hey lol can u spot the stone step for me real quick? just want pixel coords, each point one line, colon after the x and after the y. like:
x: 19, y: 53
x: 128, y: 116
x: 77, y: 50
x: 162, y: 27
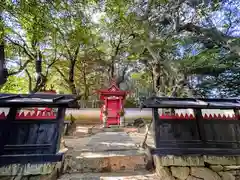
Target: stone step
x: 137, y: 175
x: 106, y: 161
x: 120, y: 129
x: 83, y: 131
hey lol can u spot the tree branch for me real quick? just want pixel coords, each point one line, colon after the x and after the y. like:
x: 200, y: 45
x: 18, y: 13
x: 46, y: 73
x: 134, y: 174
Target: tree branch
x: 23, y: 47
x: 61, y: 73
x: 76, y: 52
x: 219, y: 38
x: 21, y: 68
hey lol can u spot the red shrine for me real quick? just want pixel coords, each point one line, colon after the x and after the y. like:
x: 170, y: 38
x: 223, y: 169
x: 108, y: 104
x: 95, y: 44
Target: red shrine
x: 113, y: 99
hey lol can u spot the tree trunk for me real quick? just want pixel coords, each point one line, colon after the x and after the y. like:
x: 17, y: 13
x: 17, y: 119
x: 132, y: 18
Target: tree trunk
x: 71, y: 77
x: 156, y: 79
x: 3, y: 70
x: 86, y: 88
x: 29, y: 81
x: 112, y: 69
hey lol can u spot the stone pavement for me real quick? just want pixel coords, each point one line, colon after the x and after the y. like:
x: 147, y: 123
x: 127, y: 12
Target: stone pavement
x: 106, y: 154
x: 143, y: 175
x: 105, y: 141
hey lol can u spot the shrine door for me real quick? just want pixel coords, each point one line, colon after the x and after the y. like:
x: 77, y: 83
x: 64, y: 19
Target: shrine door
x: 113, y: 108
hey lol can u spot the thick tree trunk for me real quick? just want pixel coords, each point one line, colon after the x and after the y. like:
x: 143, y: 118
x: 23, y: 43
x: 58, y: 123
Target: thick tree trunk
x: 3, y: 70
x: 157, y: 80
x: 71, y: 77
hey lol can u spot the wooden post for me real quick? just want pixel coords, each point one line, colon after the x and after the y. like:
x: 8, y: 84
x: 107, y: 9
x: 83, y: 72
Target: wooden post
x: 237, y: 115
x: 60, y: 126
x: 200, y: 125
x: 7, y: 129
x: 156, y: 136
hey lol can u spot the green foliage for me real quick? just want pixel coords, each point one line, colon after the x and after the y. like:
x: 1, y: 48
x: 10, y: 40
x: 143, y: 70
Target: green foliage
x: 14, y: 84
x: 138, y: 42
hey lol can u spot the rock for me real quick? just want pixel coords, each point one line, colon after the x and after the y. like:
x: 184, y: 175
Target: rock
x: 238, y: 160
x: 204, y: 173
x: 234, y: 172
x: 179, y: 160
x: 164, y: 173
x: 5, y: 178
x: 226, y: 176
x: 180, y: 172
x: 27, y: 169
x: 224, y: 160
x: 227, y: 168
x: 216, y: 168
x: 193, y: 178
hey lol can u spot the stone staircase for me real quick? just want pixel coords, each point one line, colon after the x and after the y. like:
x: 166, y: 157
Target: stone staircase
x: 103, y: 156
x: 108, y: 161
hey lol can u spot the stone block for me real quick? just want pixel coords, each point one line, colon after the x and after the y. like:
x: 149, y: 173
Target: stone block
x: 216, y: 168
x: 179, y: 160
x: 223, y: 160
x: 86, y: 165
x: 204, y: 173
x: 82, y: 131
x: 193, y: 178
x: 28, y: 169
x: 238, y: 160
x: 164, y: 173
x: 105, y: 162
x: 180, y: 172
x: 228, y: 168
x: 226, y: 176
x: 234, y: 172
x: 127, y: 163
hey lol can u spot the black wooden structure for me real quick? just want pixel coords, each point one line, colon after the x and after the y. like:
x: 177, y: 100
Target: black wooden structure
x: 196, y: 136
x: 32, y: 140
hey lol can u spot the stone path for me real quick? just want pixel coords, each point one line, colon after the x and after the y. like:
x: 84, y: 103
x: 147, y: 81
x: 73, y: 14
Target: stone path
x: 106, y: 156
x: 104, y: 141
x: 111, y: 176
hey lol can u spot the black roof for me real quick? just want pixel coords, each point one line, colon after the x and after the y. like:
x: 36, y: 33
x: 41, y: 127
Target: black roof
x: 201, y: 103
x: 38, y: 100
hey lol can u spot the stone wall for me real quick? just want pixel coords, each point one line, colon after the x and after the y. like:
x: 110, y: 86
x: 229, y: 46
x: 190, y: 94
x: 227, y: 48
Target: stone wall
x: 43, y: 171
x: 47, y: 171
x: 197, y: 167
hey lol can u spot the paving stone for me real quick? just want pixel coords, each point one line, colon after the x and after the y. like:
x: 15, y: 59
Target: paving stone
x: 102, y: 141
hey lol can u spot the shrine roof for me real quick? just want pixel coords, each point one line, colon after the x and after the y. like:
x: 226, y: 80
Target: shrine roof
x: 37, y: 100
x: 201, y: 103
x: 113, y: 89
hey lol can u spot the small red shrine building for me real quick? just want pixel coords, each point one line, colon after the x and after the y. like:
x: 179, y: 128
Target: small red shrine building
x: 113, y: 99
